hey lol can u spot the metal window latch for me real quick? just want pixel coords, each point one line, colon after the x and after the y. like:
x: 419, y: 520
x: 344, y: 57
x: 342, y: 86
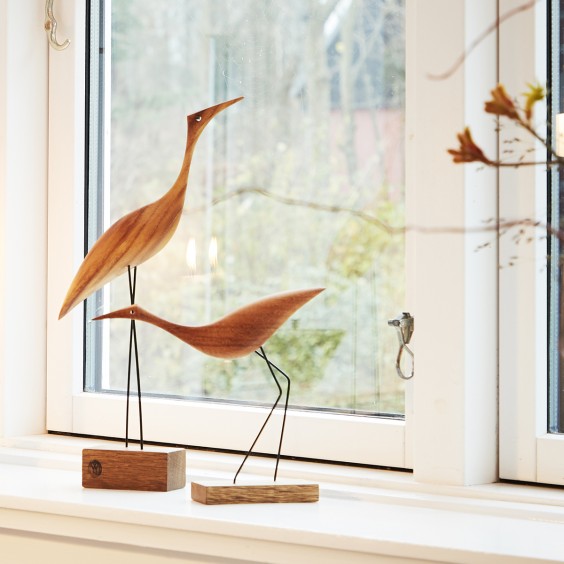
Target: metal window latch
x: 405, y: 325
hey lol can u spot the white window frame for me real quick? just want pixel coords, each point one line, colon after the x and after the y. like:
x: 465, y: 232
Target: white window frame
x: 165, y: 420
x: 450, y: 433
x: 527, y: 451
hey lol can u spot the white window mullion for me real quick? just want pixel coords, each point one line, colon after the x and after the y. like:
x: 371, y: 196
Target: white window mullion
x: 455, y: 411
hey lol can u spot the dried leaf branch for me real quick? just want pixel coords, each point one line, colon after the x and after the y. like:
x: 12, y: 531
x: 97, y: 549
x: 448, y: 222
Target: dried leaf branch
x: 502, y: 105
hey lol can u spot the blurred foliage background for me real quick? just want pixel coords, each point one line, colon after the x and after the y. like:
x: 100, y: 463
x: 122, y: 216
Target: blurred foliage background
x: 322, y: 122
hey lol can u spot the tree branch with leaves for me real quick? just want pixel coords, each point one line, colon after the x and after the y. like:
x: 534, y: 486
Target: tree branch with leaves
x: 503, y: 106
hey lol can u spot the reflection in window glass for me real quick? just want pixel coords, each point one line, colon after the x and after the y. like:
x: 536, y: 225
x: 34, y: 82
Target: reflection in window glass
x: 282, y: 194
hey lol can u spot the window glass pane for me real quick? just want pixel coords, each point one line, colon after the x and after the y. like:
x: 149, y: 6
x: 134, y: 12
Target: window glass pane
x: 290, y: 188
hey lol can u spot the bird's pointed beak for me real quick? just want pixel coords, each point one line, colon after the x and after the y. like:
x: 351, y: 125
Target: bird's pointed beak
x: 124, y: 313
x: 214, y: 110
x: 198, y: 121
x: 230, y: 102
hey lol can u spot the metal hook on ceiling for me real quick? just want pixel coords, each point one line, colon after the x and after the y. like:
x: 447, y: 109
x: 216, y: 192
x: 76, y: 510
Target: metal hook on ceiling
x: 51, y: 28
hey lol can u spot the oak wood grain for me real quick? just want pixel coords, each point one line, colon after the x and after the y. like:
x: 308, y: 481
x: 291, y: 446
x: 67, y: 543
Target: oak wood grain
x: 160, y: 470
x: 141, y: 234
x: 238, y: 334
x: 219, y: 494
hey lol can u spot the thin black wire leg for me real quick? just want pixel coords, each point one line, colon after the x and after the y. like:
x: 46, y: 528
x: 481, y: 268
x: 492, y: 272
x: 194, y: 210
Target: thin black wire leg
x: 271, y: 364
x: 138, y: 385
x: 128, y: 386
x: 267, y: 418
x: 133, y: 345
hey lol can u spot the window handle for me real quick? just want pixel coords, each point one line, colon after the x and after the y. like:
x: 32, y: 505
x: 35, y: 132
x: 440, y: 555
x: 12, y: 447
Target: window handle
x: 405, y: 325
x: 51, y: 28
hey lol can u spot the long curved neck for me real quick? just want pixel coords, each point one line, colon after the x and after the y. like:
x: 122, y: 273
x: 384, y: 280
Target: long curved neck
x: 196, y: 123
x: 172, y: 328
x: 179, y: 187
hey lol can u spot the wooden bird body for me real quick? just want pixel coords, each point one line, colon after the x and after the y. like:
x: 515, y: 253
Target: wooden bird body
x: 141, y: 234
x: 237, y: 334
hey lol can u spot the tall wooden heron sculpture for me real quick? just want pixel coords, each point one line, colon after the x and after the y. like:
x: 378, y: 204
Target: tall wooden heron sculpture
x: 137, y: 237
x: 238, y: 334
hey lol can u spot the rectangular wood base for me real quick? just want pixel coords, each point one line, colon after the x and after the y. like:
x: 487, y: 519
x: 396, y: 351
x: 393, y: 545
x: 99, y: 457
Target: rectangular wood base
x: 152, y: 469
x: 217, y: 493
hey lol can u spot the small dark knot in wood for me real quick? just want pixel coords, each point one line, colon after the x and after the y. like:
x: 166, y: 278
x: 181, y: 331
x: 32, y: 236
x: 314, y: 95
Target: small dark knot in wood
x: 95, y: 468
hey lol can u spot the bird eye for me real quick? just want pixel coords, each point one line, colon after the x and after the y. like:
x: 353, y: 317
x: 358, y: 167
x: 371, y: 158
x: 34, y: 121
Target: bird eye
x: 132, y: 311
x: 198, y: 118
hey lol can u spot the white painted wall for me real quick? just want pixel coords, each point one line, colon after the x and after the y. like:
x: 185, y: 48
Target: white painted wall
x: 23, y: 216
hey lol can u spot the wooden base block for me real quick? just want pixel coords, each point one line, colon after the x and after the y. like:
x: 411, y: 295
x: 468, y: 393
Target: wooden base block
x: 152, y: 469
x: 275, y: 492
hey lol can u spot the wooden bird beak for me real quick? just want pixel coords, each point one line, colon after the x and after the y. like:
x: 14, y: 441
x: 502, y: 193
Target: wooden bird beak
x: 198, y: 121
x: 130, y: 312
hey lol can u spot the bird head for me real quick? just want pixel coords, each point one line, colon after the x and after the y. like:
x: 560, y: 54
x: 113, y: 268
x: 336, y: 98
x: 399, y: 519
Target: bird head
x: 198, y: 121
x: 129, y: 312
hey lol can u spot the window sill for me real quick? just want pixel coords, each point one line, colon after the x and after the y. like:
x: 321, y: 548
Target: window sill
x: 362, y: 514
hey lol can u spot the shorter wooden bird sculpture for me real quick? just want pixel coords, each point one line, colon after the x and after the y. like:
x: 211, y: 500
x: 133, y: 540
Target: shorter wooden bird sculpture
x: 237, y: 334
